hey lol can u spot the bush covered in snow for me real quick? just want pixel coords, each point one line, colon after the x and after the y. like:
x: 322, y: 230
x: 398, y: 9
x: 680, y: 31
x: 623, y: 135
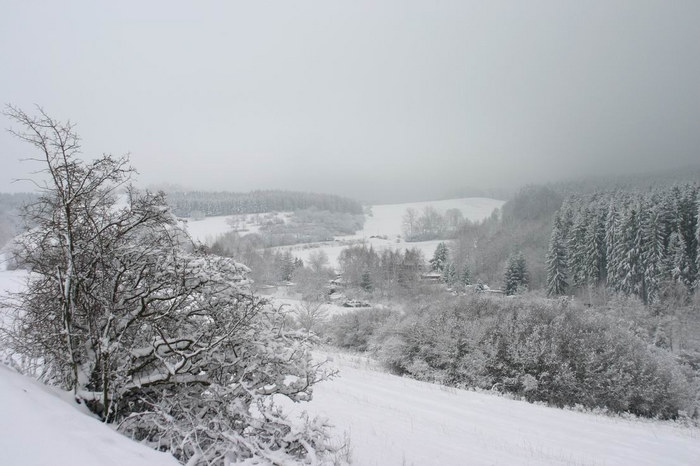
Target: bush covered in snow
x: 163, y: 340
x: 543, y: 350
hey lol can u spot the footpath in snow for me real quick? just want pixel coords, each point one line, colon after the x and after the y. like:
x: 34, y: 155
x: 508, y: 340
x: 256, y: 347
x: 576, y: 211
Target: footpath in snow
x: 398, y: 421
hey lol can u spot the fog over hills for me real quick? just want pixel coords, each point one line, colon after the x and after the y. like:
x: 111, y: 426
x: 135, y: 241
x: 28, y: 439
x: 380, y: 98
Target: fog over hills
x: 385, y: 102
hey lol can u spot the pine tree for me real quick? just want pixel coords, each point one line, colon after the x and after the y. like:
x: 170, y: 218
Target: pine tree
x: 556, y: 261
x: 679, y: 259
x: 687, y: 228
x: 516, y: 276
x: 652, y: 252
x: 466, y: 277
x: 697, y: 244
x: 366, y: 282
x: 612, y: 232
x: 630, y: 267
x: 440, y: 258
x: 449, y: 275
x: 577, y: 250
x: 594, y: 256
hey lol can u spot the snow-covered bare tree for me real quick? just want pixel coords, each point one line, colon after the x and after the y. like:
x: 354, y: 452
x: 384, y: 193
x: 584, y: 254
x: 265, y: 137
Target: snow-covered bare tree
x: 146, y: 330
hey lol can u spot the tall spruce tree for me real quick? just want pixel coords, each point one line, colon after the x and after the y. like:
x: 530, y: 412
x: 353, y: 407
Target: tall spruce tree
x: 516, y: 276
x: 556, y: 261
x: 449, y: 275
x: 594, y: 258
x: 652, y: 253
x: 577, y: 250
x: 612, y: 233
x: 440, y: 258
x: 630, y: 268
x: 466, y: 276
x: 697, y: 245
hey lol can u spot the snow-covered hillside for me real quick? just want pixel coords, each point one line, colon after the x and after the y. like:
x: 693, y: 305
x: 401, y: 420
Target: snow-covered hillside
x: 397, y: 421
x: 208, y: 229
x: 387, y: 219
x: 383, y: 229
x: 42, y: 426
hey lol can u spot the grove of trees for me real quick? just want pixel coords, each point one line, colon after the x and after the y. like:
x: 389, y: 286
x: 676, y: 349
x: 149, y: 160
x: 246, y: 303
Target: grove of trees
x: 229, y: 203
x: 642, y: 243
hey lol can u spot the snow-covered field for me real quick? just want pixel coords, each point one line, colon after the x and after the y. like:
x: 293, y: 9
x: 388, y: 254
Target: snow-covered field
x: 387, y: 219
x: 383, y: 229
x: 397, y: 421
x: 42, y: 426
x: 206, y: 230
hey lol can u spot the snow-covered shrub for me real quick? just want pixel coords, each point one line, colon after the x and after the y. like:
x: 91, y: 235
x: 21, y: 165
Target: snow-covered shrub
x: 354, y: 330
x: 543, y: 350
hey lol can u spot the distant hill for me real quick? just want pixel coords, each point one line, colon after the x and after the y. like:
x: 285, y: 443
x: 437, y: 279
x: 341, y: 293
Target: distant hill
x: 203, y: 203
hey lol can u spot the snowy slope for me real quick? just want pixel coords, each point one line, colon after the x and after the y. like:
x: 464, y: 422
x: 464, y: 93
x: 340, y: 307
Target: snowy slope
x: 398, y: 421
x: 386, y: 221
x: 40, y: 426
x: 208, y: 229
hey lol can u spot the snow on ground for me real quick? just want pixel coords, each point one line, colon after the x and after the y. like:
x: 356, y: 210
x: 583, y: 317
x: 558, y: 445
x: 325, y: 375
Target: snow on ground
x: 333, y: 250
x: 383, y: 229
x: 398, y: 421
x: 296, y: 305
x: 387, y: 219
x: 206, y: 230
x: 41, y: 426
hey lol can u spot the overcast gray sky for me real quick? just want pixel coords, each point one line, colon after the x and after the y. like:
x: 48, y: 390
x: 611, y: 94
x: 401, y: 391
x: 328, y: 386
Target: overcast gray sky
x: 373, y: 99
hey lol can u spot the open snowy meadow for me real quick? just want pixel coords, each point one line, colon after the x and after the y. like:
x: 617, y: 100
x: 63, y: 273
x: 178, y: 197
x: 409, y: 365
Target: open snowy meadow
x: 394, y: 420
x: 382, y: 229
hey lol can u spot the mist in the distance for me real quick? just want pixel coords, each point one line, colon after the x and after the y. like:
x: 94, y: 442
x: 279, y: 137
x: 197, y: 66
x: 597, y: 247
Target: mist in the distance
x: 375, y: 100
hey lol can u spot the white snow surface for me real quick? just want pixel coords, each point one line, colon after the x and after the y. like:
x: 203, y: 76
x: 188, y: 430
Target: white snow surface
x: 383, y: 230
x: 393, y: 420
x: 208, y: 229
x: 41, y: 426
x: 387, y: 219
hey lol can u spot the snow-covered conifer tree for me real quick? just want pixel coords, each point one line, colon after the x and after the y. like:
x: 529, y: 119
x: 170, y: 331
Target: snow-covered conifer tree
x: 556, y: 261
x: 577, y: 249
x: 612, y: 234
x: 466, y: 276
x: 449, y: 274
x: 440, y: 258
x: 516, y: 276
x: 628, y: 251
